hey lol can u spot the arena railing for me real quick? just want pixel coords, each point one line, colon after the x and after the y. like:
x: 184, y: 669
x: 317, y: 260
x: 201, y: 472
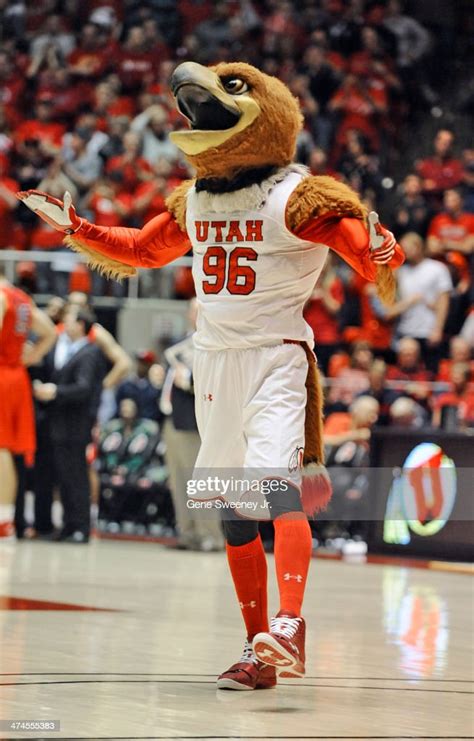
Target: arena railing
x: 10, y: 257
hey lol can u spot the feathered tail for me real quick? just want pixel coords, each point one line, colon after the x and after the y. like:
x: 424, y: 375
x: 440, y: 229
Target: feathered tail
x: 316, y: 485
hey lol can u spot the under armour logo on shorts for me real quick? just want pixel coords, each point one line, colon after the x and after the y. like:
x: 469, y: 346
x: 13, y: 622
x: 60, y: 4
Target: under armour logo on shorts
x: 298, y: 577
x: 252, y: 603
x: 207, y: 397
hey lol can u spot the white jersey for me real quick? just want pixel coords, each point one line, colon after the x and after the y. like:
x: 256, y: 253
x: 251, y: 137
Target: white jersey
x: 252, y: 275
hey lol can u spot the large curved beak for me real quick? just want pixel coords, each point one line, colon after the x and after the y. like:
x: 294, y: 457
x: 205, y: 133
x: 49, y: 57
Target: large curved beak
x: 214, y: 115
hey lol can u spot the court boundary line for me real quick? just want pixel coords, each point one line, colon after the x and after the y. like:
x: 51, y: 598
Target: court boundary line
x: 191, y: 674
x: 211, y: 681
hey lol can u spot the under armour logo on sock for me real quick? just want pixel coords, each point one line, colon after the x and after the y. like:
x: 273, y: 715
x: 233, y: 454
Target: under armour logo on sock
x: 297, y: 577
x: 252, y: 603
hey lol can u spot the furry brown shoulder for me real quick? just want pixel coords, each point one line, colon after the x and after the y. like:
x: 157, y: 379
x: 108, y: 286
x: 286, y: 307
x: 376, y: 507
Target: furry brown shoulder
x: 176, y: 202
x: 320, y: 194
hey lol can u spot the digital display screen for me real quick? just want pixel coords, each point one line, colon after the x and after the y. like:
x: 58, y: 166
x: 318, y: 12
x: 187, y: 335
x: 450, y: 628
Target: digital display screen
x: 422, y: 494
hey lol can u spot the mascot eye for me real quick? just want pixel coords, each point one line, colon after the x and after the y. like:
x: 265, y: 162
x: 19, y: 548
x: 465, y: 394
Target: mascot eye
x: 235, y: 86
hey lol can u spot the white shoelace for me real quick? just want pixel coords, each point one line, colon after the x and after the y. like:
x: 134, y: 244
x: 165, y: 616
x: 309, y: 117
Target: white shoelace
x: 247, y: 654
x: 286, y: 626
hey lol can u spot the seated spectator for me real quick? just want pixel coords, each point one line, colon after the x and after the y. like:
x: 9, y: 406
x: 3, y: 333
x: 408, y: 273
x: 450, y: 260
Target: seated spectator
x: 81, y: 165
x: 410, y: 371
x: 134, y: 168
x: 357, y: 165
x: 214, y: 31
x: 136, y: 61
x: 12, y: 86
x: 110, y: 201
x: 406, y: 412
x: 467, y: 331
x: 92, y: 57
x: 358, y: 104
x: 127, y: 455
x: 43, y: 127
x: 461, y: 396
x: 321, y: 313
x: 144, y: 386
x: 459, y: 352
x: 353, y: 380
x: 442, y: 170
x: 354, y: 425
x: 412, y: 212
x: 153, y: 125
x: 324, y: 80
x: 8, y: 188
x: 424, y: 287
x: 318, y: 163
x: 467, y: 186
x: 453, y: 229
x: 374, y: 327
x: 413, y: 40
x: 378, y: 390
x: 53, y: 33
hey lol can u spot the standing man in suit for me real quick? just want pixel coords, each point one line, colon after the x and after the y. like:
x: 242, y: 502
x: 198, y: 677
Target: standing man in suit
x: 72, y: 368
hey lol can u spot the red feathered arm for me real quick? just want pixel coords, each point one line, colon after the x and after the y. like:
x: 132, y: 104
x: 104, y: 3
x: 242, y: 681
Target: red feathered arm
x: 349, y: 238
x: 159, y: 242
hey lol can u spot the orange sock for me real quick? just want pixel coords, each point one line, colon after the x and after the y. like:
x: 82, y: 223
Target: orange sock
x: 248, y: 567
x: 293, y: 547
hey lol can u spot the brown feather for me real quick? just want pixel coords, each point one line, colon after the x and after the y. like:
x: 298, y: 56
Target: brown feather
x: 386, y: 284
x: 320, y: 194
x: 104, y: 265
x: 314, y: 445
x: 176, y: 202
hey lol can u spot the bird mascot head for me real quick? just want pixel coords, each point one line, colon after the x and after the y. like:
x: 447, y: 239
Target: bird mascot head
x: 239, y: 119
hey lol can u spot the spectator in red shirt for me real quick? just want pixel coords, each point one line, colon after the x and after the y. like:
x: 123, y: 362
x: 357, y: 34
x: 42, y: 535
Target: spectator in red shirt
x: 12, y: 85
x: 149, y: 199
x: 354, y: 425
x: 8, y: 188
x: 359, y: 103
x: 412, y: 212
x: 460, y: 396
x: 441, y: 171
x: 351, y: 381
x: 107, y: 103
x: 375, y: 328
x: 109, y: 201
x: 111, y: 205
x: 453, y: 229
x: 67, y: 96
x: 93, y: 56
x: 410, y: 371
x: 136, y: 65
x: 459, y: 352
x: 134, y: 168
x: 321, y: 313
x: 43, y: 127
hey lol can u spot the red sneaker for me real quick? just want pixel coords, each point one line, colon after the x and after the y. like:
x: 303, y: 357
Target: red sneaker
x: 7, y: 529
x: 283, y: 646
x: 247, y: 674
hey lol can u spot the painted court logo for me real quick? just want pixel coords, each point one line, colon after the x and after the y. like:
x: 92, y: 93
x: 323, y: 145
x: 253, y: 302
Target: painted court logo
x: 422, y: 498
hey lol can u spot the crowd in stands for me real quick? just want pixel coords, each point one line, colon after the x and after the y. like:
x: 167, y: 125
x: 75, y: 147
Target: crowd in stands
x: 85, y: 106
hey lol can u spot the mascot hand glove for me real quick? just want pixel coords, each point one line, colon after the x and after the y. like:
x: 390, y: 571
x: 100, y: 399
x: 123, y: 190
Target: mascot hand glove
x: 382, y: 241
x: 61, y: 215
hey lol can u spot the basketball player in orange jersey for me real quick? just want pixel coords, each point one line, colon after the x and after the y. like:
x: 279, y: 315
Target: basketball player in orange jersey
x: 18, y: 318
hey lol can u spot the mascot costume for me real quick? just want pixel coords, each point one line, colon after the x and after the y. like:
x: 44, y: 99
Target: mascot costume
x: 260, y: 229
